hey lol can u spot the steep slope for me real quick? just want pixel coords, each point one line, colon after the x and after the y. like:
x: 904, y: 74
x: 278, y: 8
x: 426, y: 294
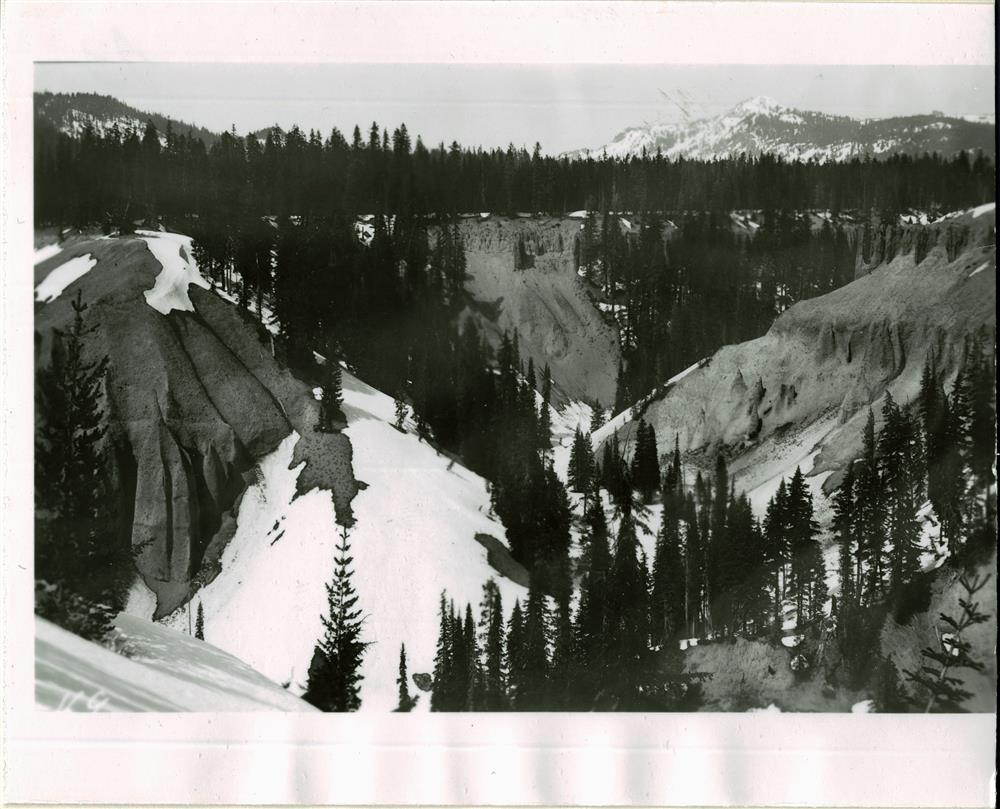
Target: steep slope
x: 762, y: 125
x: 418, y: 517
x: 522, y: 277
x: 194, y: 397
x: 798, y: 395
x: 161, y: 670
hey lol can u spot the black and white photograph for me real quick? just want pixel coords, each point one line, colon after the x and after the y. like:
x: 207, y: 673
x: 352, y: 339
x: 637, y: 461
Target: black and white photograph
x: 510, y: 388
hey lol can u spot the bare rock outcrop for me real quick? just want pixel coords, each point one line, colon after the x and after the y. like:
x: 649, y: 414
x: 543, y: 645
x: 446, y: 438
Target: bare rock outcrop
x: 194, y: 399
x: 833, y: 356
x: 522, y: 277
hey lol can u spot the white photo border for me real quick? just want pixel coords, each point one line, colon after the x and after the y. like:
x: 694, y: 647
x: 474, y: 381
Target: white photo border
x: 618, y: 759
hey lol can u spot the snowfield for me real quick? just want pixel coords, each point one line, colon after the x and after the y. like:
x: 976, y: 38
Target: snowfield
x: 62, y: 276
x: 414, y: 536
x: 170, y: 291
x: 165, y: 671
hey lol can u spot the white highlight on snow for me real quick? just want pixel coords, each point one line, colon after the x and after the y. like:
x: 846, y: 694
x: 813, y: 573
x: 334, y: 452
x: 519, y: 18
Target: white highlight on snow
x: 45, y: 253
x: 865, y: 706
x: 170, y: 291
x: 62, y: 276
x: 979, y: 269
x: 165, y: 671
x: 981, y: 209
x: 791, y: 641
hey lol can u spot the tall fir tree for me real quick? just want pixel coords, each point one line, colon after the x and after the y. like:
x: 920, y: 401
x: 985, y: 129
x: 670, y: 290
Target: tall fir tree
x: 335, y: 672
x: 406, y: 702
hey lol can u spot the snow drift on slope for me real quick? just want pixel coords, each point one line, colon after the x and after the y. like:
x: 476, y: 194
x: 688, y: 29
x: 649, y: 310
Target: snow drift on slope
x: 62, y: 276
x: 46, y: 252
x: 170, y: 291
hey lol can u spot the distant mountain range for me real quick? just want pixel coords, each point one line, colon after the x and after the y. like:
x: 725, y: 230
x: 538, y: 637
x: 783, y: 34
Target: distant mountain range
x: 761, y: 125
x: 71, y: 112
x: 755, y: 126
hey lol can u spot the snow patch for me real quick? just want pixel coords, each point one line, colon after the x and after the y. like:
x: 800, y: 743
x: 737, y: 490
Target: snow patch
x: 979, y: 269
x: 45, y: 253
x: 62, y: 276
x: 981, y: 209
x: 170, y: 291
x: 865, y: 706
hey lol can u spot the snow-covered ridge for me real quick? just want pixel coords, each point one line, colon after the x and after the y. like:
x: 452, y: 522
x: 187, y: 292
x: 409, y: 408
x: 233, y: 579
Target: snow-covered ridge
x: 761, y: 125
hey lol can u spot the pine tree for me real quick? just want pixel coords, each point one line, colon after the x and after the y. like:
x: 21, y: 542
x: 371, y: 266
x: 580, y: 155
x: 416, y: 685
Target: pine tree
x: 81, y: 563
x: 645, y: 461
x: 545, y: 413
x: 596, y: 418
x: 895, y: 447
x: 334, y: 675
x: 402, y: 411
x: 491, y: 644
x: 845, y: 531
x: 443, y: 664
x: 331, y: 414
x: 870, y: 503
x: 533, y: 683
x: 627, y: 610
x: 515, y: 656
x: 199, y: 623
x: 668, y: 587
x: 406, y: 702
x: 938, y: 689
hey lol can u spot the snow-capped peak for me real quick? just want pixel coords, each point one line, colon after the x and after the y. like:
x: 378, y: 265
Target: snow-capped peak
x: 761, y: 124
x: 758, y: 105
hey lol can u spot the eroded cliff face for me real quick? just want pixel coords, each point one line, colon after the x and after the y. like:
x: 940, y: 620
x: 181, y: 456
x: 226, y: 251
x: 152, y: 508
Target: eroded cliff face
x: 194, y: 399
x: 522, y: 277
x: 827, y: 359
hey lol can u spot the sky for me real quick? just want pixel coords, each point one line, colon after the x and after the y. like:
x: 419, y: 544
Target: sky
x: 563, y: 107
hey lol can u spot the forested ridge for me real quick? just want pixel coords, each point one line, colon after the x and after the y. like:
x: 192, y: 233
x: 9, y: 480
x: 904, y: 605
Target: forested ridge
x: 83, y: 180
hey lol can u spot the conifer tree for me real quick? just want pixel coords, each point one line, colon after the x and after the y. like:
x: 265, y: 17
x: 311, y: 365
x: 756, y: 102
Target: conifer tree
x: 491, y: 644
x: 515, y: 656
x: 334, y: 675
x: 331, y: 414
x: 645, y: 461
x: 870, y: 504
x: 402, y: 411
x: 406, y: 702
x: 627, y: 608
x: 83, y: 566
x: 199, y: 623
x: 545, y: 413
x: 845, y: 531
x: 474, y: 675
x: 443, y: 664
x: 533, y: 682
x: 668, y: 587
x: 895, y: 446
